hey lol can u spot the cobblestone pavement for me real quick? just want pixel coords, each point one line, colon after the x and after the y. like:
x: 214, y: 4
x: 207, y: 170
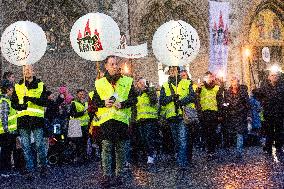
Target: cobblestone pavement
x: 256, y: 170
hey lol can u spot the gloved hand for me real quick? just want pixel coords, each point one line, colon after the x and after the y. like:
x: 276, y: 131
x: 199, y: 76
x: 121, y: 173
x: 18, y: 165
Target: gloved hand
x: 6, y: 130
x: 175, y: 97
x: 23, y: 106
x: 178, y: 103
x: 26, y: 99
x: 31, y: 99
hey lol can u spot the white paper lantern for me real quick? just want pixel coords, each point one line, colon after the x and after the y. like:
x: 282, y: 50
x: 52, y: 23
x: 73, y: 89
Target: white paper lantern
x: 95, y: 36
x: 23, y: 43
x: 175, y: 43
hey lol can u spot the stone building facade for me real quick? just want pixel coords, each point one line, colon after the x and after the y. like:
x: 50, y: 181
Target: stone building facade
x: 139, y: 19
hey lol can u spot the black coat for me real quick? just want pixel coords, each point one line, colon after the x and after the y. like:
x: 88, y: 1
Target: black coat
x: 237, y: 109
x: 52, y: 109
x: 273, y: 99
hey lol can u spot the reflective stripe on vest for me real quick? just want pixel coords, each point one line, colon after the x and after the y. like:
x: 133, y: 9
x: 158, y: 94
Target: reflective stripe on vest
x: 12, y: 117
x: 33, y: 109
x: 182, y: 91
x: 91, y: 94
x: 208, y: 99
x: 105, y: 91
x: 113, y: 113
x: 84, y: 119
x: 144, y: 109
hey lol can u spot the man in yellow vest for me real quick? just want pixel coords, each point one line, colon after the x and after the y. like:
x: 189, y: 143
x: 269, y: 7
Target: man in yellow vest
x: 8, y: 126
x: 29, y: 99
x: 210, y: 97
x: 114, y: 96
x: 79, y: 111
x: 147, y: 120
x: 175, y: 94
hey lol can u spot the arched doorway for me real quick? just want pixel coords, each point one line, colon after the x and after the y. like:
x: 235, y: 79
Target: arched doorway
x: 266, y: 31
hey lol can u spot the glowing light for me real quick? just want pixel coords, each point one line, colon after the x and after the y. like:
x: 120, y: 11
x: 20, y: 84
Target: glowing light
x: 220, y: 74
x: 275, y: 69
x: 229, y: 186
x: 247, y: 52
x: 126, y: 69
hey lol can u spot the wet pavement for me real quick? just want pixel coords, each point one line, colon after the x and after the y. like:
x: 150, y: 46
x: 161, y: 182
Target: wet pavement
x: 255, y: 170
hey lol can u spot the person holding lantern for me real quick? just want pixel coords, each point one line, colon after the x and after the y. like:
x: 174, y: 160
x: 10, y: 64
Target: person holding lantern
x: 29, y: 99
x: 175, y: 94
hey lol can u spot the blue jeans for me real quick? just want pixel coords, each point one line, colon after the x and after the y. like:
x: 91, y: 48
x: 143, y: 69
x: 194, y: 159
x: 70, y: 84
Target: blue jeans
x: 180, y: 136
x: 240, y: 143
x: 25, y: 135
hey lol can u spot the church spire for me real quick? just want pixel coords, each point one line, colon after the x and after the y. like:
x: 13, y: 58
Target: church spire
x: 87, y: 29
x: 221, y: 22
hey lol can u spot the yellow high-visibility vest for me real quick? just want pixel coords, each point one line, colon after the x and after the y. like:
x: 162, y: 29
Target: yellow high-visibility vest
x: 91, y: 94
x: 32, y: 109
x: 84, y: 119
x: 182, y: 90
x: 105, y: 90
x: 144, y: 108
x: 12, y: 117
x: 208, y: 99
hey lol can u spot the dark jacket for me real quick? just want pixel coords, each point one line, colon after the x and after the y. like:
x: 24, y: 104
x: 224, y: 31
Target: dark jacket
x: 164, y: 100
x: 114, y: 130
x: 237, y: 109
x: 52, y: 109
x: 273, y: 99
x: 238, y: 105
x: 30, y: 121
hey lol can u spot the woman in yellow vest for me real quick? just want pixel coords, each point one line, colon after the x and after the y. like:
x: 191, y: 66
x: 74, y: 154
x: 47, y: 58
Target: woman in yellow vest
x: 175, y: 94
x: 79, y: 111
x: 147, y: 120
x: 210, y: 97
x: 114, y: 96
x: 8, y: 126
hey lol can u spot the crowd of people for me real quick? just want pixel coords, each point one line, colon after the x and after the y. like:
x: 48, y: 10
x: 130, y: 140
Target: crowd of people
x: 124, y: 122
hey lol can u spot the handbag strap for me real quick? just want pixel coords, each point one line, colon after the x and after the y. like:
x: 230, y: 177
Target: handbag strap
x: 173, y: 94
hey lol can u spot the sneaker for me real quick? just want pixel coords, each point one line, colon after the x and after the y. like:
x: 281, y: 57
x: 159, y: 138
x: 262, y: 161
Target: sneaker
x: 28, y: 175
x: 150, y: 160
x: 5, y: 175
x: 210, y: 156
x: 43, y: 171
x: 118, y: 181
x: 106, y: 182
x: 239, y: 155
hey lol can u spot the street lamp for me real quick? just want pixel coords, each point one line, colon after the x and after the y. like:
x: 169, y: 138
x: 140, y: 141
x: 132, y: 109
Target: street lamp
x: 247, y: 52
